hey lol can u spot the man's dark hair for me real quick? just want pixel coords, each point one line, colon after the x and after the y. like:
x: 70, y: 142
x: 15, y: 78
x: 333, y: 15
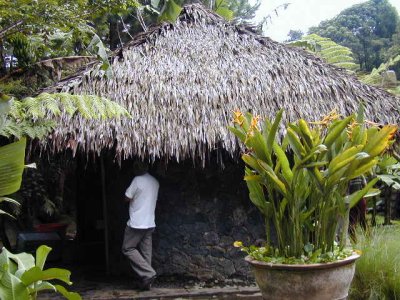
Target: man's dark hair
x: 140, y: 167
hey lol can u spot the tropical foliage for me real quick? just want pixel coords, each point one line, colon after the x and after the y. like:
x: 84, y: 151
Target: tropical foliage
x: 388, y: 172
x: 331, y: 52
x: 34, y: 116
x: 375, y: 77
x: 11, y: 168
x: 299, y: 183
x: 369, y: 29
x: 22, y: 276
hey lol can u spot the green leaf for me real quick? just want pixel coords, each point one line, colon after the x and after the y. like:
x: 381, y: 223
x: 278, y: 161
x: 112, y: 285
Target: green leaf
x: 364, y: 168
x: 222, y: 9
x: 356, y: 196
x: 274, y: 129
x: 390, y: 180
x: 41, y: 256
x: 335, y: 130
x: 281, y: 155
x: 295, y: 143
x: 11, y: 167
x: 278, y: 184
x: 35, y: 274
x: 44, y: 285
x: 69, y: 295
x: 372, y: 193
x: 9, y: 200
x: 170, y: 12
x: 23, y: 261
x: 2, y: 212
x: 256, y: 193
x: 238, y: 133
x: 11, y: 288
x: 251, y: 162
x: 225, y: 12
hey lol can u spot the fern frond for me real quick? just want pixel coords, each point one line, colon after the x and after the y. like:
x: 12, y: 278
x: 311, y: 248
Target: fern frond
x: 67, y: 103
x: 16, y: 111
x: 99, y: 108
x: 339, y: 59
x: 336, y: 51
x: 347, y: 65
x: 82, y: 106
x: 49, y: 103
x: 32, y: 108
x: 114, y: 110
x: 33, y: 116
x: 12, y: 128
x: 328, y: 50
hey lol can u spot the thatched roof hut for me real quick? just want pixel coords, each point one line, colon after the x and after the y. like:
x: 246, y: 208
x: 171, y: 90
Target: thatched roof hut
x: 181, y: 82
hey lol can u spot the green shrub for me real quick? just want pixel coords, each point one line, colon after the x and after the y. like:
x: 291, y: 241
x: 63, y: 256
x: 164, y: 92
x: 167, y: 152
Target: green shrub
x: 378, y: 270
x: 22, y: 276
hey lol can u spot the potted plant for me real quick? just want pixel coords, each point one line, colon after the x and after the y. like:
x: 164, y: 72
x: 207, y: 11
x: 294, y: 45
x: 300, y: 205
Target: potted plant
x: 299, y: 183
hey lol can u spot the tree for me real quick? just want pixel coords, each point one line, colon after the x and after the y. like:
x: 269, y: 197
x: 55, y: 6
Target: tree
x: 294, y: 35
x: 366, y: 28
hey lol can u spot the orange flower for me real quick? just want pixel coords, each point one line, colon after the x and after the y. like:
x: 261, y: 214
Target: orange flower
x: 254, y: 122
x: 393, y: 132
x: 331, y: 116
x: 350, y: 128
x: 238, y: 117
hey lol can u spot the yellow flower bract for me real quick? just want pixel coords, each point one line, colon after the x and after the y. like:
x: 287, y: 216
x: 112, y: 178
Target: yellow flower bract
x: 238, y: 244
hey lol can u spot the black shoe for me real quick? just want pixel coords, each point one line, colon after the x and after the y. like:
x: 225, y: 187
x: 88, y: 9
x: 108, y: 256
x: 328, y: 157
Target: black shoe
x: 146, y: 284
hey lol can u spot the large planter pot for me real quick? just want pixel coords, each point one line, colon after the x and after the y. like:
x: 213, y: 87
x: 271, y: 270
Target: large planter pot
x: 326, y: 281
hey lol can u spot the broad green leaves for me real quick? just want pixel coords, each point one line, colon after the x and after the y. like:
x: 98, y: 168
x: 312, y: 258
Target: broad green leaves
x: 222, y: 8
x: 300, y: 182
x: 11, y: 167
x: 169, y: 12
x: 21, y: 279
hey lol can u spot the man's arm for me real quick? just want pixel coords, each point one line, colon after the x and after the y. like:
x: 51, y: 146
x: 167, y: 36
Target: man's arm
x: 131, y: 191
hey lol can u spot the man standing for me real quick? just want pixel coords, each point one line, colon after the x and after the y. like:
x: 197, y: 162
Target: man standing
x: 137, y: 245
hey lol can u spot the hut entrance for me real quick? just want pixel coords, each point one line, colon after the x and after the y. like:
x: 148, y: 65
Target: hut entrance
x: 200, y: 213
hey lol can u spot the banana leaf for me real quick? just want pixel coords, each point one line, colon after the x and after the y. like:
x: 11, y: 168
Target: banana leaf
x: 12, y: 158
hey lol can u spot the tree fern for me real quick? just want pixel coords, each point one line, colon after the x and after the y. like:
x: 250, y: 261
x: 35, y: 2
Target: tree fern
x: 328, y: 50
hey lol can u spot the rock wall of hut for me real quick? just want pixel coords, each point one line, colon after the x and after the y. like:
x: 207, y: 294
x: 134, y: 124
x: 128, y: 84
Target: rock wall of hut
x: 199, y: 214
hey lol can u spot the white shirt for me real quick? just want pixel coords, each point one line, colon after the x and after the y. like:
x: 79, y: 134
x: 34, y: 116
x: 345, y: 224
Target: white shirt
x: 143, y: 191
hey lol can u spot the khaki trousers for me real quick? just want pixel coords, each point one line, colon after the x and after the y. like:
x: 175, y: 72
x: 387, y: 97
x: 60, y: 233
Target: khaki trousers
x: 137, y: 247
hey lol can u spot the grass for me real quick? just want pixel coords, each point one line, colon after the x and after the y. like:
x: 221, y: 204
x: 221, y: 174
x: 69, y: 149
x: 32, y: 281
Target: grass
x: 378, y: 270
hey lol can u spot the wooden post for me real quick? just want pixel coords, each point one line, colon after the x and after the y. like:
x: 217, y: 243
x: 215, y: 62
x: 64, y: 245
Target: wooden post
x: 105, y: 214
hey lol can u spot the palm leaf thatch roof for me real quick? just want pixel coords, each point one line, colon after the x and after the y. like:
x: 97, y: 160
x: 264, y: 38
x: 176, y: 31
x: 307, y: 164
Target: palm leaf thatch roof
x: 181, y: 83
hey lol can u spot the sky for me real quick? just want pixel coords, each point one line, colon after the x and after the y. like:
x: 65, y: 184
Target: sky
x: 302, y: 14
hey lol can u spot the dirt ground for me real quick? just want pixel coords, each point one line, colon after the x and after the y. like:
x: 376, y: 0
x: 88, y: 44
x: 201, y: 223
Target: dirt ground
x: 121, y: 289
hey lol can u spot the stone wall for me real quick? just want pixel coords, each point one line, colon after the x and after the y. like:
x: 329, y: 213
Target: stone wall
x: 199, y: 214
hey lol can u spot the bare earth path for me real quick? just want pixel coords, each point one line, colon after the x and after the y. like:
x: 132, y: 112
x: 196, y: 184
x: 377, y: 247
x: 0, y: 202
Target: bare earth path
x: 108, y: 293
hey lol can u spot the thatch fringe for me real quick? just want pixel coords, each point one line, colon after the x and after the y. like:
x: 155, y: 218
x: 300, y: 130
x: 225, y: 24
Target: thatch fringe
x: 181, y: 82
